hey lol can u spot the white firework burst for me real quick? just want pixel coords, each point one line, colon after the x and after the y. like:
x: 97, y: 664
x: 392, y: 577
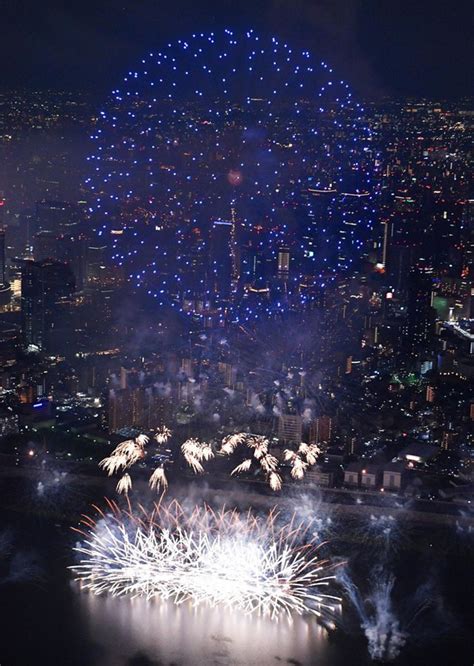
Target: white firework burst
x: 306, y: 456
x: 142, y: 440
x: 298, y: 468
x: 125, y: 448
x: 252, y: 564
x: 260, y: 447
x: 191, y: 447
x: 124, y: 484
x: 259, y: 444
x: 158, y: 479
x: 231, y: 442
x: 243, y: 467
x: 310, y: 451
x: 195, y: 452
x: 114, y: 463
x: 162, y: 435
x: 275, y: 481
x: 194, y: 463
x: 269, y: 463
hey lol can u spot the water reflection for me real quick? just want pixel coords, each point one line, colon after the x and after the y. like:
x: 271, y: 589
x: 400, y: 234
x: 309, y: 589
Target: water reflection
x: 134, y: 631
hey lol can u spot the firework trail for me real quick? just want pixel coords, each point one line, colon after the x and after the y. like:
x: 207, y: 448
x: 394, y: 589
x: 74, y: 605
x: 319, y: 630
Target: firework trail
x: 378, y: 618
x: 253, y: 564
x: 386, y: 626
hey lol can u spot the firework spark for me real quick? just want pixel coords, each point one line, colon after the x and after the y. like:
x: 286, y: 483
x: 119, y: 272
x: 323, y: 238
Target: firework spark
x: 124, y: 484
x: 268, y: 463
x: 231, y: 442
x: 195, y: 452
x: 310, y: 452
x: 158, y: 479
x: 125, y: 455
x: 255, y: 565
x: 163, y: 434
x: 275, y: 481
x: 243, y: 467
x: 114, y: 463
x: 306, y: 456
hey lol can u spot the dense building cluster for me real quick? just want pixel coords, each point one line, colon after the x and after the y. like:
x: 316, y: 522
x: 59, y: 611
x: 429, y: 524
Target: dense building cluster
x: 286, y: 266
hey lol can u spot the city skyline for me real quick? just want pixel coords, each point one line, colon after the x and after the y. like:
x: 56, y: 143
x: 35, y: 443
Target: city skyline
x: 236, y: 336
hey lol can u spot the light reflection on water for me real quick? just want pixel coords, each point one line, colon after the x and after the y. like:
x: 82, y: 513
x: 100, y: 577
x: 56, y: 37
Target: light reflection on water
x: 164, y: 633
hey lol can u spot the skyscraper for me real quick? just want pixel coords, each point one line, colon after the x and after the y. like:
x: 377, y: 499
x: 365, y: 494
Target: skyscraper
x: 45, y: 287
x: 5, y: 293
x: 3, y: 266
x: 419, y: 322
x: 221, y: 257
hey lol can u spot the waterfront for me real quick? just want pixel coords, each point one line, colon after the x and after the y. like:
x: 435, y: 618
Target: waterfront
x: 49, y: 621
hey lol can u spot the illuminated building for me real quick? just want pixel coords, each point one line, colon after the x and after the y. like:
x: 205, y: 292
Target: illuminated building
x: 393, y: 476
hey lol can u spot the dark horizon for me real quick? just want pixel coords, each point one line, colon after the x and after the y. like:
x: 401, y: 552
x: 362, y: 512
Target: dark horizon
x: 415, y: 49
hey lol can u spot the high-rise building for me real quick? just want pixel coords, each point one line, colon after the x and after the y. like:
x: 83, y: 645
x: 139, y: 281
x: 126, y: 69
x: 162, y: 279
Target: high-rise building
x: 3, y: 260
x: 96, y: 263
x: 320, y: 430
x: 141, y: 407
x: 5, y: 291
x: 46, y: 287
x: 290, y: 428
x: 283, y: 262
x: 467, y: 240
x: 45, y: 245
x: 419, y: 322
x: 222, y: 258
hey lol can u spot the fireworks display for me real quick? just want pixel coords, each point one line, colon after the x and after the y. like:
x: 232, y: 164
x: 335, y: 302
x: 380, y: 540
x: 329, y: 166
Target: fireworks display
x: 256, y: 565
x: 299, y: 460
x: 196, y: 453
x: 131, y: 451
x: 236, y: 141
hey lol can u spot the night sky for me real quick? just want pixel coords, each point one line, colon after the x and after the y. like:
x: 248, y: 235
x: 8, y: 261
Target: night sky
x: 394, y: 47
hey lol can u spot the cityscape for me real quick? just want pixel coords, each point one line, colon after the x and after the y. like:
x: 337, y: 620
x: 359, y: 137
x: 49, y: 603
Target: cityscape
x: 237, y: 364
